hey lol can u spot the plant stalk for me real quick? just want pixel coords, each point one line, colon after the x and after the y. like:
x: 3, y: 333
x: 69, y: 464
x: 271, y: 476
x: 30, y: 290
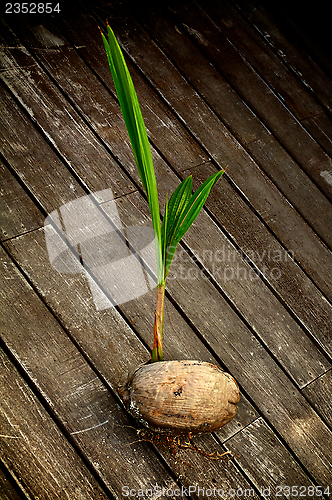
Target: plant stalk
x: 157, y: 349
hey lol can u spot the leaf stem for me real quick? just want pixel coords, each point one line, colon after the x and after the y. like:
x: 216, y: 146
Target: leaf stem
x: 157, y: 350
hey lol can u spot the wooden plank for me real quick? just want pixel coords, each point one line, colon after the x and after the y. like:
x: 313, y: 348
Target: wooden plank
x: 320, y: 127
x: 295, y: 290
x: 319, y: 393
x: 33, y: 447
x: 238, y: 291
x: 263, y: 59
x: 72, y: 390
x: 268, y: 22
x: 99, y: 347
x: 59, y: 122
x: 72, y: 321
x: 271, y: 67
x: 311, y: 31
x: 69, y: 297
x: 98, y: 340
x: 232, y: 221
x: 285, y: 173
x: 9, y: 490
x: 256, y: 94
x: 189, y: 296
x: 111, y: 445
x: 246, y: 169
x: 158, y: 118
x: 278, y: 467
x: 18, y: 213
x: 32, y: 159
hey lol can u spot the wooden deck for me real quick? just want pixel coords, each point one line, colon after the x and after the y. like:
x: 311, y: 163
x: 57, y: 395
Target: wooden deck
x: 219, y: 84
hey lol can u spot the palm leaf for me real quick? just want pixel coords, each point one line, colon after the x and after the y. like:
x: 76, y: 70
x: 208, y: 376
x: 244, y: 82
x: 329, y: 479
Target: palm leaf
x: 177, y: 205
x: 137, y: 133
x: 195, y: 205
x: 183, y: 208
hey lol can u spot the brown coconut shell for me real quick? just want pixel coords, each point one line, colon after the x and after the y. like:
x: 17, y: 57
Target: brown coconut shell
x: 181, y: 396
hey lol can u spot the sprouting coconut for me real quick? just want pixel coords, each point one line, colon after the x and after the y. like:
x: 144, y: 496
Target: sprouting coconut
x: 177, y: 397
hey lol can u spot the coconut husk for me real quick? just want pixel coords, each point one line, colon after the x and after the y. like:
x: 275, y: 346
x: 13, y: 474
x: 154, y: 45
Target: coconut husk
x: 181, y: 397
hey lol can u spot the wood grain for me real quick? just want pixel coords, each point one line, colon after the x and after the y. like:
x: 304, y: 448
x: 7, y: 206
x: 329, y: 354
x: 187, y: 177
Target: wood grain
x: 9, y: 488
x: 72, y: 390
x: 319, y: 395
x: 34, y: 448
x: 18, y: 213
x: 300, y: 240
x: 271, y: 24
x: 218, y: 84
x: 277, y: 466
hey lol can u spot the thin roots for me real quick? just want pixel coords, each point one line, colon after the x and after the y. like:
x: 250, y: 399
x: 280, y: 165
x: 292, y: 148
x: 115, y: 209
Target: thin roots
x: 177, y: 443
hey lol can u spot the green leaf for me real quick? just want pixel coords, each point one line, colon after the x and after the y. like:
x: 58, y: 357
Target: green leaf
x: 195, y: 205
x: 137, y: 133
x: 182, y: 211
x: 177, y: 205
x: 164, y: 226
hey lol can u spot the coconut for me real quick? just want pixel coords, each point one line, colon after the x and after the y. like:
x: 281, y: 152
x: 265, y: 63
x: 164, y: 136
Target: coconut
x: 181, y: 397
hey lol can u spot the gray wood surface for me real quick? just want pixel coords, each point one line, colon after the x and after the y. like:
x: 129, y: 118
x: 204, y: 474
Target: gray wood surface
x: 251, y: 285
x: 35, y: 449
x: 9, y: 488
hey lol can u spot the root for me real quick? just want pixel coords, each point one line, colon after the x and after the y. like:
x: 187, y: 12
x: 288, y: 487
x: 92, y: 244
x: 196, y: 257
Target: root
x: 177, y: 443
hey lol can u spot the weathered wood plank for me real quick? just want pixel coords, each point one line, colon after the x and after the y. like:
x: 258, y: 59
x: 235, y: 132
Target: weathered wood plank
x: 98, y: 340
x: 97, y: 436
x: 319, y: 393
x: 72, y: 390
x: 295, y: 290
x: 256, y: 93
x: 32, y: 159
x: 98, y: 345
x: 267, y: 21
x: 310, y: 30
x: 245, y: 174
x: 280, y: 403
x: 263, y: 59
x: 9, y: 489
x: 232, y: 222
x: 299, y: 347
x: 59, y: 122
x: 271, y: 67
x: 320, y: 127
x: 303, y: 194
x: 72, y: 321
x: 300, y: 412
x: 18, y: 213
x: 33, y: 447
x: 278, y: 467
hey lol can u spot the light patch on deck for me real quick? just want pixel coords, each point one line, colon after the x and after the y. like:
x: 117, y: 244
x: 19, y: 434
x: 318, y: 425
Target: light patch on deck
x: 327, y: 176
x: 47, y: 38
